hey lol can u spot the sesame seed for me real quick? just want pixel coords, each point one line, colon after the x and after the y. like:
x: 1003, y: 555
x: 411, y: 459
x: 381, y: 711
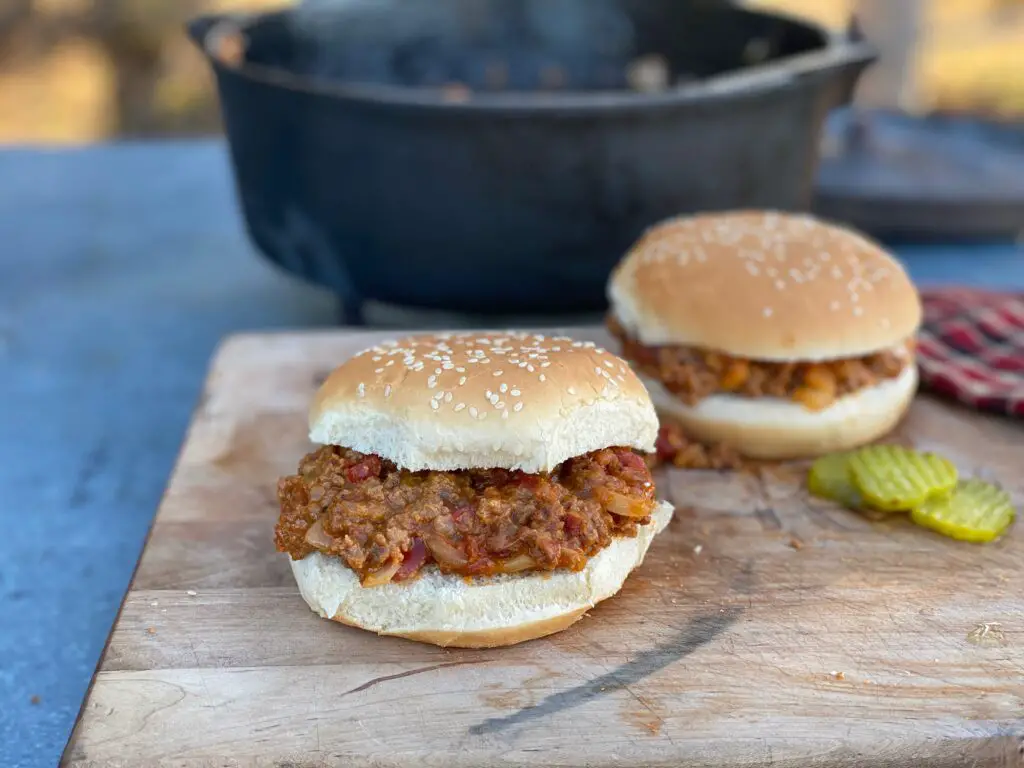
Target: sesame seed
x: 437, y: 371
x: 543, y: 377
x: 459, y: 407
x: 503, y: 388
x: 515, y: 393
x: 462, y: 381
x: 504, y: 414
x: 447, y: 397
x: 434, y: 405
x: 518, y: 406
x: 493, y: 399
x: 571, y: 391
x: 529, y: 368
x: 379, y: 370
x: 362, y: 389
x: 473, y: 411
x: 387, y: 391
x: 497, y: 373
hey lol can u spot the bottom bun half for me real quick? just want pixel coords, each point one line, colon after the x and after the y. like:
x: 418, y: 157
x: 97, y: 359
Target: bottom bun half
x: 772, y: 428
x: 480, y: 613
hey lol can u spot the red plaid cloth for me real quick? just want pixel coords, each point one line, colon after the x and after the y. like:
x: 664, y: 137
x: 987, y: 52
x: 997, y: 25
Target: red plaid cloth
x: 971, y: 348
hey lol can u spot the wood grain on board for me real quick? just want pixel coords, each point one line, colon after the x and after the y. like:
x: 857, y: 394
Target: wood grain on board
x: 764, y: 628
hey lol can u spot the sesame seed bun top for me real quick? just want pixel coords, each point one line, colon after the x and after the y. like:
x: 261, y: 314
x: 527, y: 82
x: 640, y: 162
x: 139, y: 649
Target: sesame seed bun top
x: 763, y: 285
x: 456, y: 401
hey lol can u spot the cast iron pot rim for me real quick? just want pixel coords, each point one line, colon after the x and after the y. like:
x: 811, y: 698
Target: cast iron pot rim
x: 752, y: 82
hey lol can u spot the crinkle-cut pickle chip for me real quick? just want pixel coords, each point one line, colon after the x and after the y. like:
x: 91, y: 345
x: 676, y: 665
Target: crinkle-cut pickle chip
x: 976, y: 511
x: 829, y: 478
x: 892, y: 478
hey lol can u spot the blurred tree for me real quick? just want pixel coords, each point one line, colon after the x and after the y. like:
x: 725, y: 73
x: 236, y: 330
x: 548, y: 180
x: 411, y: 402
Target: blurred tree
x: 14, y: 12
x: 143, y: 46
x: 1001, y: 10
x: 81, y: 70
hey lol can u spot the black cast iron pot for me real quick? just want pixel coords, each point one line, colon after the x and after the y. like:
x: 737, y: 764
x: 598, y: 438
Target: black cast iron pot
x: 495, y: 155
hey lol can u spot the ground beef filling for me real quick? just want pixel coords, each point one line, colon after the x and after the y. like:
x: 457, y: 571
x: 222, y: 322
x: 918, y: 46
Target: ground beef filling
x: 387, y: 524
x: 675, y: 448
x: 692, y: 374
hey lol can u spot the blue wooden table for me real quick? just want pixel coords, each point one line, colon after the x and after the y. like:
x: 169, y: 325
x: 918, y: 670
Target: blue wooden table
x: 120, y: 269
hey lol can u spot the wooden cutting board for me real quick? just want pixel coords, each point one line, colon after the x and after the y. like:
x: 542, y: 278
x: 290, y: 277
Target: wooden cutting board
x: 765, y: 628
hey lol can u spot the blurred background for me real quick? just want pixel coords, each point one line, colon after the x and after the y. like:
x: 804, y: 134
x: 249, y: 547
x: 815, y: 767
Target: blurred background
x: 74, y: 71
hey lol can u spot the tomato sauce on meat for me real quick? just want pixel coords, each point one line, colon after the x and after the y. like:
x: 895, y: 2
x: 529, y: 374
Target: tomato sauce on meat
x: 692, y: 374
x: 388, y: 524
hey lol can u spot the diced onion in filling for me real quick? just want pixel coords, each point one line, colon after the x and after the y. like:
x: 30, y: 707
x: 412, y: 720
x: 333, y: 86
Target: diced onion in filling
x: 619, y: 504
x: 317, y: 537
x: 516, y: 564
x: 444, y: 552
x: 383, y: 576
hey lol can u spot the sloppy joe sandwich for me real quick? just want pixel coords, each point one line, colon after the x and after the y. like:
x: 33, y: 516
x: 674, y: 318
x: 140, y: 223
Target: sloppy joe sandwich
x: 472, y: 490
x: 776, y: 334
